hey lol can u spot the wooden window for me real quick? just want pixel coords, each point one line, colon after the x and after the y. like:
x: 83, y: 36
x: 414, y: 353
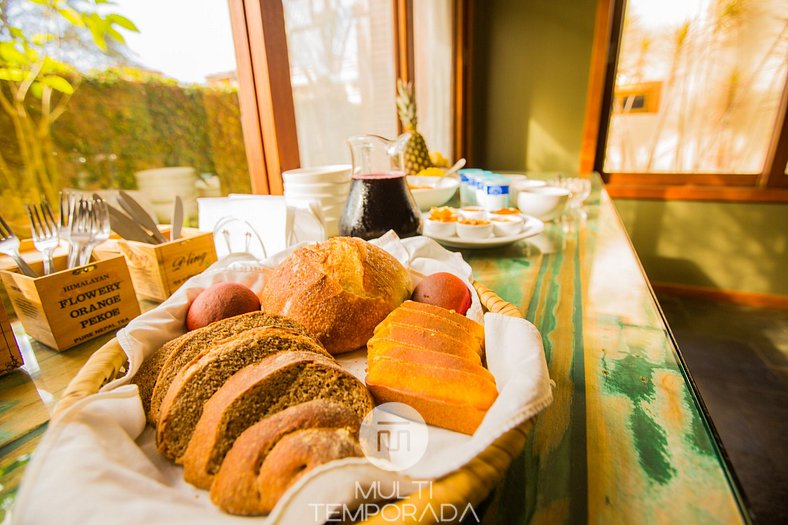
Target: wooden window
x: 274, y: 114
x: 675, y: 112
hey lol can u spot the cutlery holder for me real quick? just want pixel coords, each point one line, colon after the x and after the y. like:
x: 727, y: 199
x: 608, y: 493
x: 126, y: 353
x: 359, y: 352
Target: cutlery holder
x: 10, y: 356
x: 157, y: 270
x: 73, y: 305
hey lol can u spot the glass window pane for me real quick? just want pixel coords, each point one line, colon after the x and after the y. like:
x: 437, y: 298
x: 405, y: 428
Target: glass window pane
x: 432, y: 42
x: 698, y: 86
x: 164, y: 95
x: 342, y: 72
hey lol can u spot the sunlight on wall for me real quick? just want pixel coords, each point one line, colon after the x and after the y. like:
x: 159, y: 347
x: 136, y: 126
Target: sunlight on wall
x: 730, y: 246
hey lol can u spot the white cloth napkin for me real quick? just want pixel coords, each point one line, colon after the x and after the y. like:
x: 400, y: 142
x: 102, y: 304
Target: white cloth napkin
x: 98, y: 463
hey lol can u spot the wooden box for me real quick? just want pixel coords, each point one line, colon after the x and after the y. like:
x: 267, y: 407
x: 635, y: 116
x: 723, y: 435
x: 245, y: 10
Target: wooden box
x: 157, y: 270
x: 10, y: 356
x: 70, y: 306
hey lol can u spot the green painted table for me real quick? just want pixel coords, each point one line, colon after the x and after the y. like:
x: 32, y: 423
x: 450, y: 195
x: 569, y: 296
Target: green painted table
x: 626, y: 439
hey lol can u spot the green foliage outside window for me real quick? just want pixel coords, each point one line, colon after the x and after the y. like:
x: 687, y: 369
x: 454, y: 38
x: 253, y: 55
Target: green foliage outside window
x: 61, y: 128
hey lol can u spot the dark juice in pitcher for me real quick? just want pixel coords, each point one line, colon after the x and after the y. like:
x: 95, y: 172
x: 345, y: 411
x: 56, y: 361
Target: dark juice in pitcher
x: 377, y: 203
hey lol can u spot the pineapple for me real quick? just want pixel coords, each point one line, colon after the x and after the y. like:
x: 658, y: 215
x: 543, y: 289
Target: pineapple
x: 417, y: 156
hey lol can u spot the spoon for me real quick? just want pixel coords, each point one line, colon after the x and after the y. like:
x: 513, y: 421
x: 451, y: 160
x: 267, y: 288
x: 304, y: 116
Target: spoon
x: 457, y: 165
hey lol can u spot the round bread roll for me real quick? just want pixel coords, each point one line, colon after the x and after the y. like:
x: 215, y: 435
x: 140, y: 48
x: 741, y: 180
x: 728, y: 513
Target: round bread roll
x: 339, y: 290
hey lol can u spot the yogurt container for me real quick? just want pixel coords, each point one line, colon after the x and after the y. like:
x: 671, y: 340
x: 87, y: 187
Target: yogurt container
x: 496, y: 193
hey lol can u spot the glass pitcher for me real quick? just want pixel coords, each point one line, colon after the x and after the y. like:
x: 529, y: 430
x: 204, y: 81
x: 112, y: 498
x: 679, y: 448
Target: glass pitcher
x: 379, y: 198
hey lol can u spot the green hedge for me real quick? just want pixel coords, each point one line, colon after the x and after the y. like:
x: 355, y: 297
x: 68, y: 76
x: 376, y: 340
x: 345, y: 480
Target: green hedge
x: 122, y: 121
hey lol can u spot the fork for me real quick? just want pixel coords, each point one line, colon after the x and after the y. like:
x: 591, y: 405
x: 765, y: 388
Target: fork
x: 45, y: 232
x: 9, y: 245
x: 68, y: 202
x: 99, y: 230
x: 79, y: 231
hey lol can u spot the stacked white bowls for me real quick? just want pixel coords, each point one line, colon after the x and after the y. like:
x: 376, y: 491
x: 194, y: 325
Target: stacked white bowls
x: 161, y: 185
x: 326, y: 186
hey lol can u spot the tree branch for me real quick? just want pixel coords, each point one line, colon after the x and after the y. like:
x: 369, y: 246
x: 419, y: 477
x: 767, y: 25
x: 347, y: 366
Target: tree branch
x: 21, y: 92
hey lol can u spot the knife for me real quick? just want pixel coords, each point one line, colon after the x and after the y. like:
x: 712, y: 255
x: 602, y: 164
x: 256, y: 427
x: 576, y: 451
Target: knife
x: 127, y: 228
x: 138, y: 213
x: 177, y: 218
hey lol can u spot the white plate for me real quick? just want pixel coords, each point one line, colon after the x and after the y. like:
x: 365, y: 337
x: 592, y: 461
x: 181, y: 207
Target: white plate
x: 532, y: 226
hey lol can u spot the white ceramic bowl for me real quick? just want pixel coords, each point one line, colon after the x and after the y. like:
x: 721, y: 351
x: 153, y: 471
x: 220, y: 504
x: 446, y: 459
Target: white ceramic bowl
x: 504, y: 226
x: 529, y: 183
x: 439, y: 192
x: 439, y: 228
x: 319, y: 174
x: 522, y: 183
x: 474, y: 231
x: 473, y: 212
x: 545, y: 203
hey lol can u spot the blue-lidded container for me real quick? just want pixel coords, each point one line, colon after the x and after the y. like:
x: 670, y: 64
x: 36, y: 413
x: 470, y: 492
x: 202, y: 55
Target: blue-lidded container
x: 468, y: 178
x: 496, y: 193
x: 481, y: 182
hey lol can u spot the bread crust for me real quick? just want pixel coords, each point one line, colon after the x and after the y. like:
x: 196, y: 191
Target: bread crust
x: 208, y: 431
x: 235, y: 488
x: 339, y: 290
x: 178, y: 410
x: 298, y: 453
x: 183, y: 350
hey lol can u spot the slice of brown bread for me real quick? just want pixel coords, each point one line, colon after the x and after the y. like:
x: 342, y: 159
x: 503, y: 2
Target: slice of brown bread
x: 193, y: 386
x: 263, y: 482
x: 145, y: 378
x: 186, y: 347
x: 274, y: 384
x: 203, y: 457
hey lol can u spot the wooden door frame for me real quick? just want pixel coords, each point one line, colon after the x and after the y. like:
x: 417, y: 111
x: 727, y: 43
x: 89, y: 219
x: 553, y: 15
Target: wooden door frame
x: 265, y: 94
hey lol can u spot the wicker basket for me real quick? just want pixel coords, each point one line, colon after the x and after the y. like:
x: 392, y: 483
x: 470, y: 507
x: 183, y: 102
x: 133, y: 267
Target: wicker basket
x: 469, y: 484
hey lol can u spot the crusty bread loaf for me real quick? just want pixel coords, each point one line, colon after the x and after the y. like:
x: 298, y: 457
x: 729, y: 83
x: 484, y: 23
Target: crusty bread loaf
x: 339, y: 290
x: 193, y: 386
x: 237, y: 487
x: 274, y: 384
x: 181, y: 351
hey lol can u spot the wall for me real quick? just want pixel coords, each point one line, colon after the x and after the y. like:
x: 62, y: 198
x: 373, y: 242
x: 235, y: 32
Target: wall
x: 529, y: 79
x: 531, y: 73
x: 728, y: 246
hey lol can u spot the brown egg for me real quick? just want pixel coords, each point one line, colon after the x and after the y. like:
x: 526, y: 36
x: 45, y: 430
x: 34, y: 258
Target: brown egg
x: 444, y: 289
x: 220, y: 301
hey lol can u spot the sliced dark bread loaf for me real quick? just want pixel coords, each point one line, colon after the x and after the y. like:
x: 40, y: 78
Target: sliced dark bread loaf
x: 277, y: 383
x: 146, y: 376
x: 250, y: 484
x: 193, y: 386
x: 182, y: 350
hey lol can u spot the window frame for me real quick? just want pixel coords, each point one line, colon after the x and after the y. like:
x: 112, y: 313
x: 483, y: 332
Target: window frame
x: 266, y: 96
x: 771, y: 185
